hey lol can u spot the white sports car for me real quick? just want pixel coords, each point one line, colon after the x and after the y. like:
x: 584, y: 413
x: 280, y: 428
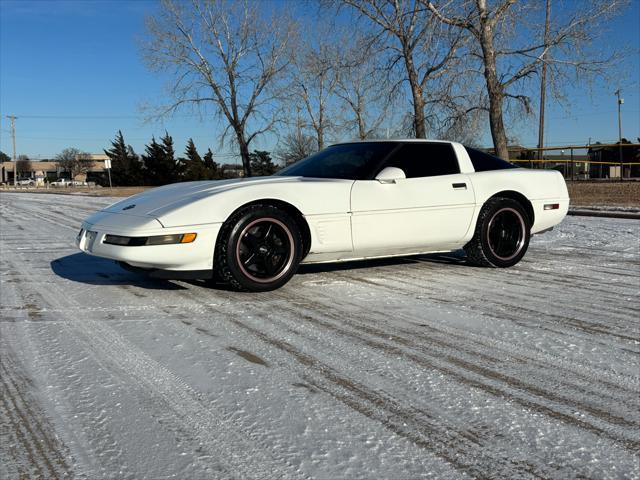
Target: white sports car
x: 349, y: 201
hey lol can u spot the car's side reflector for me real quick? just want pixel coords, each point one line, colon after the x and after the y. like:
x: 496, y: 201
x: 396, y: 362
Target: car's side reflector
x: 552, y: 206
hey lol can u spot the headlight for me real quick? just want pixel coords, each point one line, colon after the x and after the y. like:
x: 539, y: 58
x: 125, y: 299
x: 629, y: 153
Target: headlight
x: 154, y: 240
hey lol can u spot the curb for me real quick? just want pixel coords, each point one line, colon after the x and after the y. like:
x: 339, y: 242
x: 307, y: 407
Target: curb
x: 604, y: 214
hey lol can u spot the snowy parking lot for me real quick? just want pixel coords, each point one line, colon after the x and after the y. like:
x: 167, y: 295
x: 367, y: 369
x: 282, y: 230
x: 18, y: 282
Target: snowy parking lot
x: 420, y: 367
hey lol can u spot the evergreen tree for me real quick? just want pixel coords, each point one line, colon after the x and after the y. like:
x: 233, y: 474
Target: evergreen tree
x: 159, y: 161
x: 261, y: 163
x: 213, y: 169
x: 136, y: 167
x: 192, y: 152
x: 152, y: 159
x: 169, y: 164
x: 167, y: 146
x: 192, y: 167
x: 126, y: 168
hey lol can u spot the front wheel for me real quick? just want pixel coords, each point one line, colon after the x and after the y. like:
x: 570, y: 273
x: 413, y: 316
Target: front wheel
x: 258, y: 249
x: 502, y: 234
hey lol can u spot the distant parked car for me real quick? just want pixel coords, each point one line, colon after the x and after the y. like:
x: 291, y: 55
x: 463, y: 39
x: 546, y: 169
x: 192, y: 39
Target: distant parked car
x: 26, y: 182
x: 61, y: 182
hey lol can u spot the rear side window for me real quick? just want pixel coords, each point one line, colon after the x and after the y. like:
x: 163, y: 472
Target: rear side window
x: 483, y: 162
x: 425, y: 159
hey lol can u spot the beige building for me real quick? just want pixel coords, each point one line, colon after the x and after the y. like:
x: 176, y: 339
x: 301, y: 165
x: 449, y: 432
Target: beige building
x: 49, y: 170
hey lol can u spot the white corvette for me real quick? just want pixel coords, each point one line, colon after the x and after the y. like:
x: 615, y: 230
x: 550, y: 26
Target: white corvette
x: 350, y: 201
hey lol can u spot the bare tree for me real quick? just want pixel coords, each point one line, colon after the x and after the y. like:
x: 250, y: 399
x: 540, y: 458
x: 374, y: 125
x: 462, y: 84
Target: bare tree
x: 23, y: 166
x: 508, y: 60
x: 362, y: 87
x: 224, y: 54
x: 315, y: 81
x: 424, y: 48
x: 74, y: 161
x: 296, y: 146
x: 463, y: 126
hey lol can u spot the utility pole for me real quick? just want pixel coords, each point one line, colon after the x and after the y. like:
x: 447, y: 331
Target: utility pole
x: 543, y: 80
x: 620, y: 102
x: 13, y: 119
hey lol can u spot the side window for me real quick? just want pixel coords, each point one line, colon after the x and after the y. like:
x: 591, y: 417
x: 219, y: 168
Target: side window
x: 483, y: 162
x: 419, y: 159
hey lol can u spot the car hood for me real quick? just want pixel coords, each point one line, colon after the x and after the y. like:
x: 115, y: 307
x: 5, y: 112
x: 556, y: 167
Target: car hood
x: 196, y: 203
x: 157, y: 200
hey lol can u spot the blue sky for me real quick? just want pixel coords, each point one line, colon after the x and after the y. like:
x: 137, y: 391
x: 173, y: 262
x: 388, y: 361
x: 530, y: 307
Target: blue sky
x: 73, y: 74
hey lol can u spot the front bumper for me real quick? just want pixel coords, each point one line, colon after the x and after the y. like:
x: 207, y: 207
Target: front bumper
x: 169, y: 274
x: 197, y: 255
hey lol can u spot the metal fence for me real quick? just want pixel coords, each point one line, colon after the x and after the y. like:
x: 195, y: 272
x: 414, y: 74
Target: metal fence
x: 583, y: 162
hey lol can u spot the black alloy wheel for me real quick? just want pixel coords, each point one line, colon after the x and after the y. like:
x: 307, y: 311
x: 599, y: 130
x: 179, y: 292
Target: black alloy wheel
x: 259, y: 249
x: 502, y: 234
x: 264, y: 250
x: 506, y: 233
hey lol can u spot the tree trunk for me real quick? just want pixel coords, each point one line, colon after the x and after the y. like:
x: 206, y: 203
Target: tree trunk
x: 244, y: 153
x: 320, y: 129
x: 496, y: 123
x: 494, y: 90
x: 320, y: 133
x: 362, y: 132
x: 416, y: 92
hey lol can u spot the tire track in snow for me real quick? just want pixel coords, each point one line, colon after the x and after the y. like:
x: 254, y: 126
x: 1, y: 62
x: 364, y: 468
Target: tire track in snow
x: 317, y: 303
x: 477, y: 350
x: 460, y: 448
x: 457, y: 448
x: 239, y: 455
x: 481, y: 351
x: 459, y: 369
x: 27, y: 427
x: 215, y: 432
x: 408, y: 286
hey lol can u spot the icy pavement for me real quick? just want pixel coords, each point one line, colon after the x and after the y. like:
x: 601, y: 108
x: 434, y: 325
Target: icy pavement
x: 420, y: 367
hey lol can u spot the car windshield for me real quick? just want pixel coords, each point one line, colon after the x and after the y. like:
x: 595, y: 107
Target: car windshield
x: 351, y: 161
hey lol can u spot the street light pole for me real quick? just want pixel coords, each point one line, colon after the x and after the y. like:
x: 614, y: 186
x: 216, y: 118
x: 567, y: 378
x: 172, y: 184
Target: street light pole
x: 543, y: 81
x: 620, y: 102
x: 15, y: 160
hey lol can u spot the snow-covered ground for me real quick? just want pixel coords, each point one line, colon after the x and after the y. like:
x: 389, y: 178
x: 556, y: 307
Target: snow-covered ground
x: 420, y: 367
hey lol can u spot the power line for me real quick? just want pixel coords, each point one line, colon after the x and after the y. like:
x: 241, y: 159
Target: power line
x: 80, y: 117
x: 54, y: 116
x: 100, y: 117
x: 597, y: 112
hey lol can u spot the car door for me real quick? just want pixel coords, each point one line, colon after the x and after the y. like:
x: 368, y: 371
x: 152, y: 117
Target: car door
x: 429, y: 210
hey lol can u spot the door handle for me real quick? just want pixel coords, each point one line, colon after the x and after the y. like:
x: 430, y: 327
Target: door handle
x: 459, y: 185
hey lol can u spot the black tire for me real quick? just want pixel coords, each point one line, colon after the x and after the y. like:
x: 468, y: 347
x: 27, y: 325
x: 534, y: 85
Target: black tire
x: 502, y: 234
x: 259, y: 249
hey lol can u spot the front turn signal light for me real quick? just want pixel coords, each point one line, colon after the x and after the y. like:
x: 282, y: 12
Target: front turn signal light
x: 171, y: 239
x: 154, y: 240
x: 552, y: 206
x: 188, y: 237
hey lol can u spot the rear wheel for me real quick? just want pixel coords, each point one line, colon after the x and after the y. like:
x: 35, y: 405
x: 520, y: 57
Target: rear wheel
x: 259, y: 249
x: 502, y: 234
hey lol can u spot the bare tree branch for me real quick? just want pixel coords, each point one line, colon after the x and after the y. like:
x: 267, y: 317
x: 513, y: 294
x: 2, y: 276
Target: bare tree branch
x: 225, y: 55
x: 561, y: 49
x: 423, y: 49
